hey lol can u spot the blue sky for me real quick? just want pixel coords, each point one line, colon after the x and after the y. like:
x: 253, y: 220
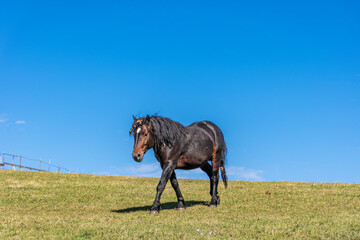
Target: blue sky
x: 280, y: 78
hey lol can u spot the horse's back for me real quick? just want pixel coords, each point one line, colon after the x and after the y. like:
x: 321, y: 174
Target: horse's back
x: 213, y: 130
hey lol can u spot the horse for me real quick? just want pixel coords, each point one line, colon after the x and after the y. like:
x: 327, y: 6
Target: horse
x: 179, y: 147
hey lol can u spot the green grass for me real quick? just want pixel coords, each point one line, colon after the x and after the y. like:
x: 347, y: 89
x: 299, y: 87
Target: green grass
x: 70, y: 206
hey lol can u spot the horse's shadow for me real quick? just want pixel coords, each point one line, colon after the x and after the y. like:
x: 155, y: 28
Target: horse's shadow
x: 168, y: 205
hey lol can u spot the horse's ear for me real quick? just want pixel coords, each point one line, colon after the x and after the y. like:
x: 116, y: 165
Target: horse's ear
x: 147, y: 119
x: 134, y: 118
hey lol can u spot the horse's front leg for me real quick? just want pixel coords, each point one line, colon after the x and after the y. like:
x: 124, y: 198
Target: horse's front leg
x: 175, y: 185
x: 166, y: 173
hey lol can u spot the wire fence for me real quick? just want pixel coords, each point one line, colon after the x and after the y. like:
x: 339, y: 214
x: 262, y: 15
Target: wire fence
x: 20, y: 162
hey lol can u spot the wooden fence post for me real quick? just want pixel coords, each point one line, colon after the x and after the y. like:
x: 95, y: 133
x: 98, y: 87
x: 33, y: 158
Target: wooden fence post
x: 3, y: 160
x: 59, y: 167
x: 40, y: 165
x: 49, y: 165
x: 20, y: 162
x: 13, y: 167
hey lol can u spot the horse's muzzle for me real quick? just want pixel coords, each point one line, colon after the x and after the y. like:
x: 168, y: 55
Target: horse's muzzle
x: 138, y: 157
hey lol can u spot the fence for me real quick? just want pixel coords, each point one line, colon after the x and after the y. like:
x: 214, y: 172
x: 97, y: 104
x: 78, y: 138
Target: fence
x: 19, y: 162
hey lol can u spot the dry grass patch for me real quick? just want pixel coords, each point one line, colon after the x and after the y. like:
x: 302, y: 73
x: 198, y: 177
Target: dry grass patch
x: 76, y: 206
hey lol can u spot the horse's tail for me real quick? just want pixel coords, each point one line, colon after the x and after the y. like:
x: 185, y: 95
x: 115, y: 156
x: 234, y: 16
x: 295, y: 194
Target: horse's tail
x: 222, y: 166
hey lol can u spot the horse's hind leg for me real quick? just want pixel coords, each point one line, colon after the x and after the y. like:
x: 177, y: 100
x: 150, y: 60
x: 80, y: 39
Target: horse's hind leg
x: 175, y: 185
x: 214, y: 179
x: 215, y: 199
x: 208, y: 170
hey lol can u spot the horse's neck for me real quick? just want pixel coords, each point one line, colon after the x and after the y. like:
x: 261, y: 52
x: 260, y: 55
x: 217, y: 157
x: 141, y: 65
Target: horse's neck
x: 159, y: 150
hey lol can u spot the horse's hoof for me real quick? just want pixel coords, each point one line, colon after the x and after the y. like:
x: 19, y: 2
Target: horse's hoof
x: 154, y: 212
x: 181, y: 206
x: 212, y: 205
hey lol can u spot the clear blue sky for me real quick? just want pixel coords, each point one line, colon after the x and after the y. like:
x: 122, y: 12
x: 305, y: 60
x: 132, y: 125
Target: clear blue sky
x: 280, y: 78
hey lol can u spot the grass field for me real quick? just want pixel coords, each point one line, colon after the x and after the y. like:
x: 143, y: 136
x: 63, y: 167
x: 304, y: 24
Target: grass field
x: 70, y: 206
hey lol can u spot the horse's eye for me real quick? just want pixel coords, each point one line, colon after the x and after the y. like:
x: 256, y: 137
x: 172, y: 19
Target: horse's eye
x: 145, y: 134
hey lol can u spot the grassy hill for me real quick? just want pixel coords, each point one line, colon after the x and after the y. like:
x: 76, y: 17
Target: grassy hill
x: 71, y: 206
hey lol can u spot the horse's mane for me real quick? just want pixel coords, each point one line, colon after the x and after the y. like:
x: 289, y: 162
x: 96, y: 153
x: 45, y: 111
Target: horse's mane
x: 166, y: 131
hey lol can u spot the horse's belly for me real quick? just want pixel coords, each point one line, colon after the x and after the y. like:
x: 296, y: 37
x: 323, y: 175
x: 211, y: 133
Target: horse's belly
x: 188, y: 163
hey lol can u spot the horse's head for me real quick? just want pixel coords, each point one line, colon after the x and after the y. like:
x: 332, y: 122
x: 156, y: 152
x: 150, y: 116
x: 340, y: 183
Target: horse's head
x: 143, y: 137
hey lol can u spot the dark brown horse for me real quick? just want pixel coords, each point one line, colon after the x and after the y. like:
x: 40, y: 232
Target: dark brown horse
x: 179, y: 147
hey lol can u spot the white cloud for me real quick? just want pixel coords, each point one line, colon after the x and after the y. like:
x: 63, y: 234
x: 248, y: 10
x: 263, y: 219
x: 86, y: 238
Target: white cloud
x: 20, y: 122
x: 154, y: 170
x: 145, y: 170
x: 242, y: 173
x: 2, y: 118
x: 191, y: 174
x: 234, y: 173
